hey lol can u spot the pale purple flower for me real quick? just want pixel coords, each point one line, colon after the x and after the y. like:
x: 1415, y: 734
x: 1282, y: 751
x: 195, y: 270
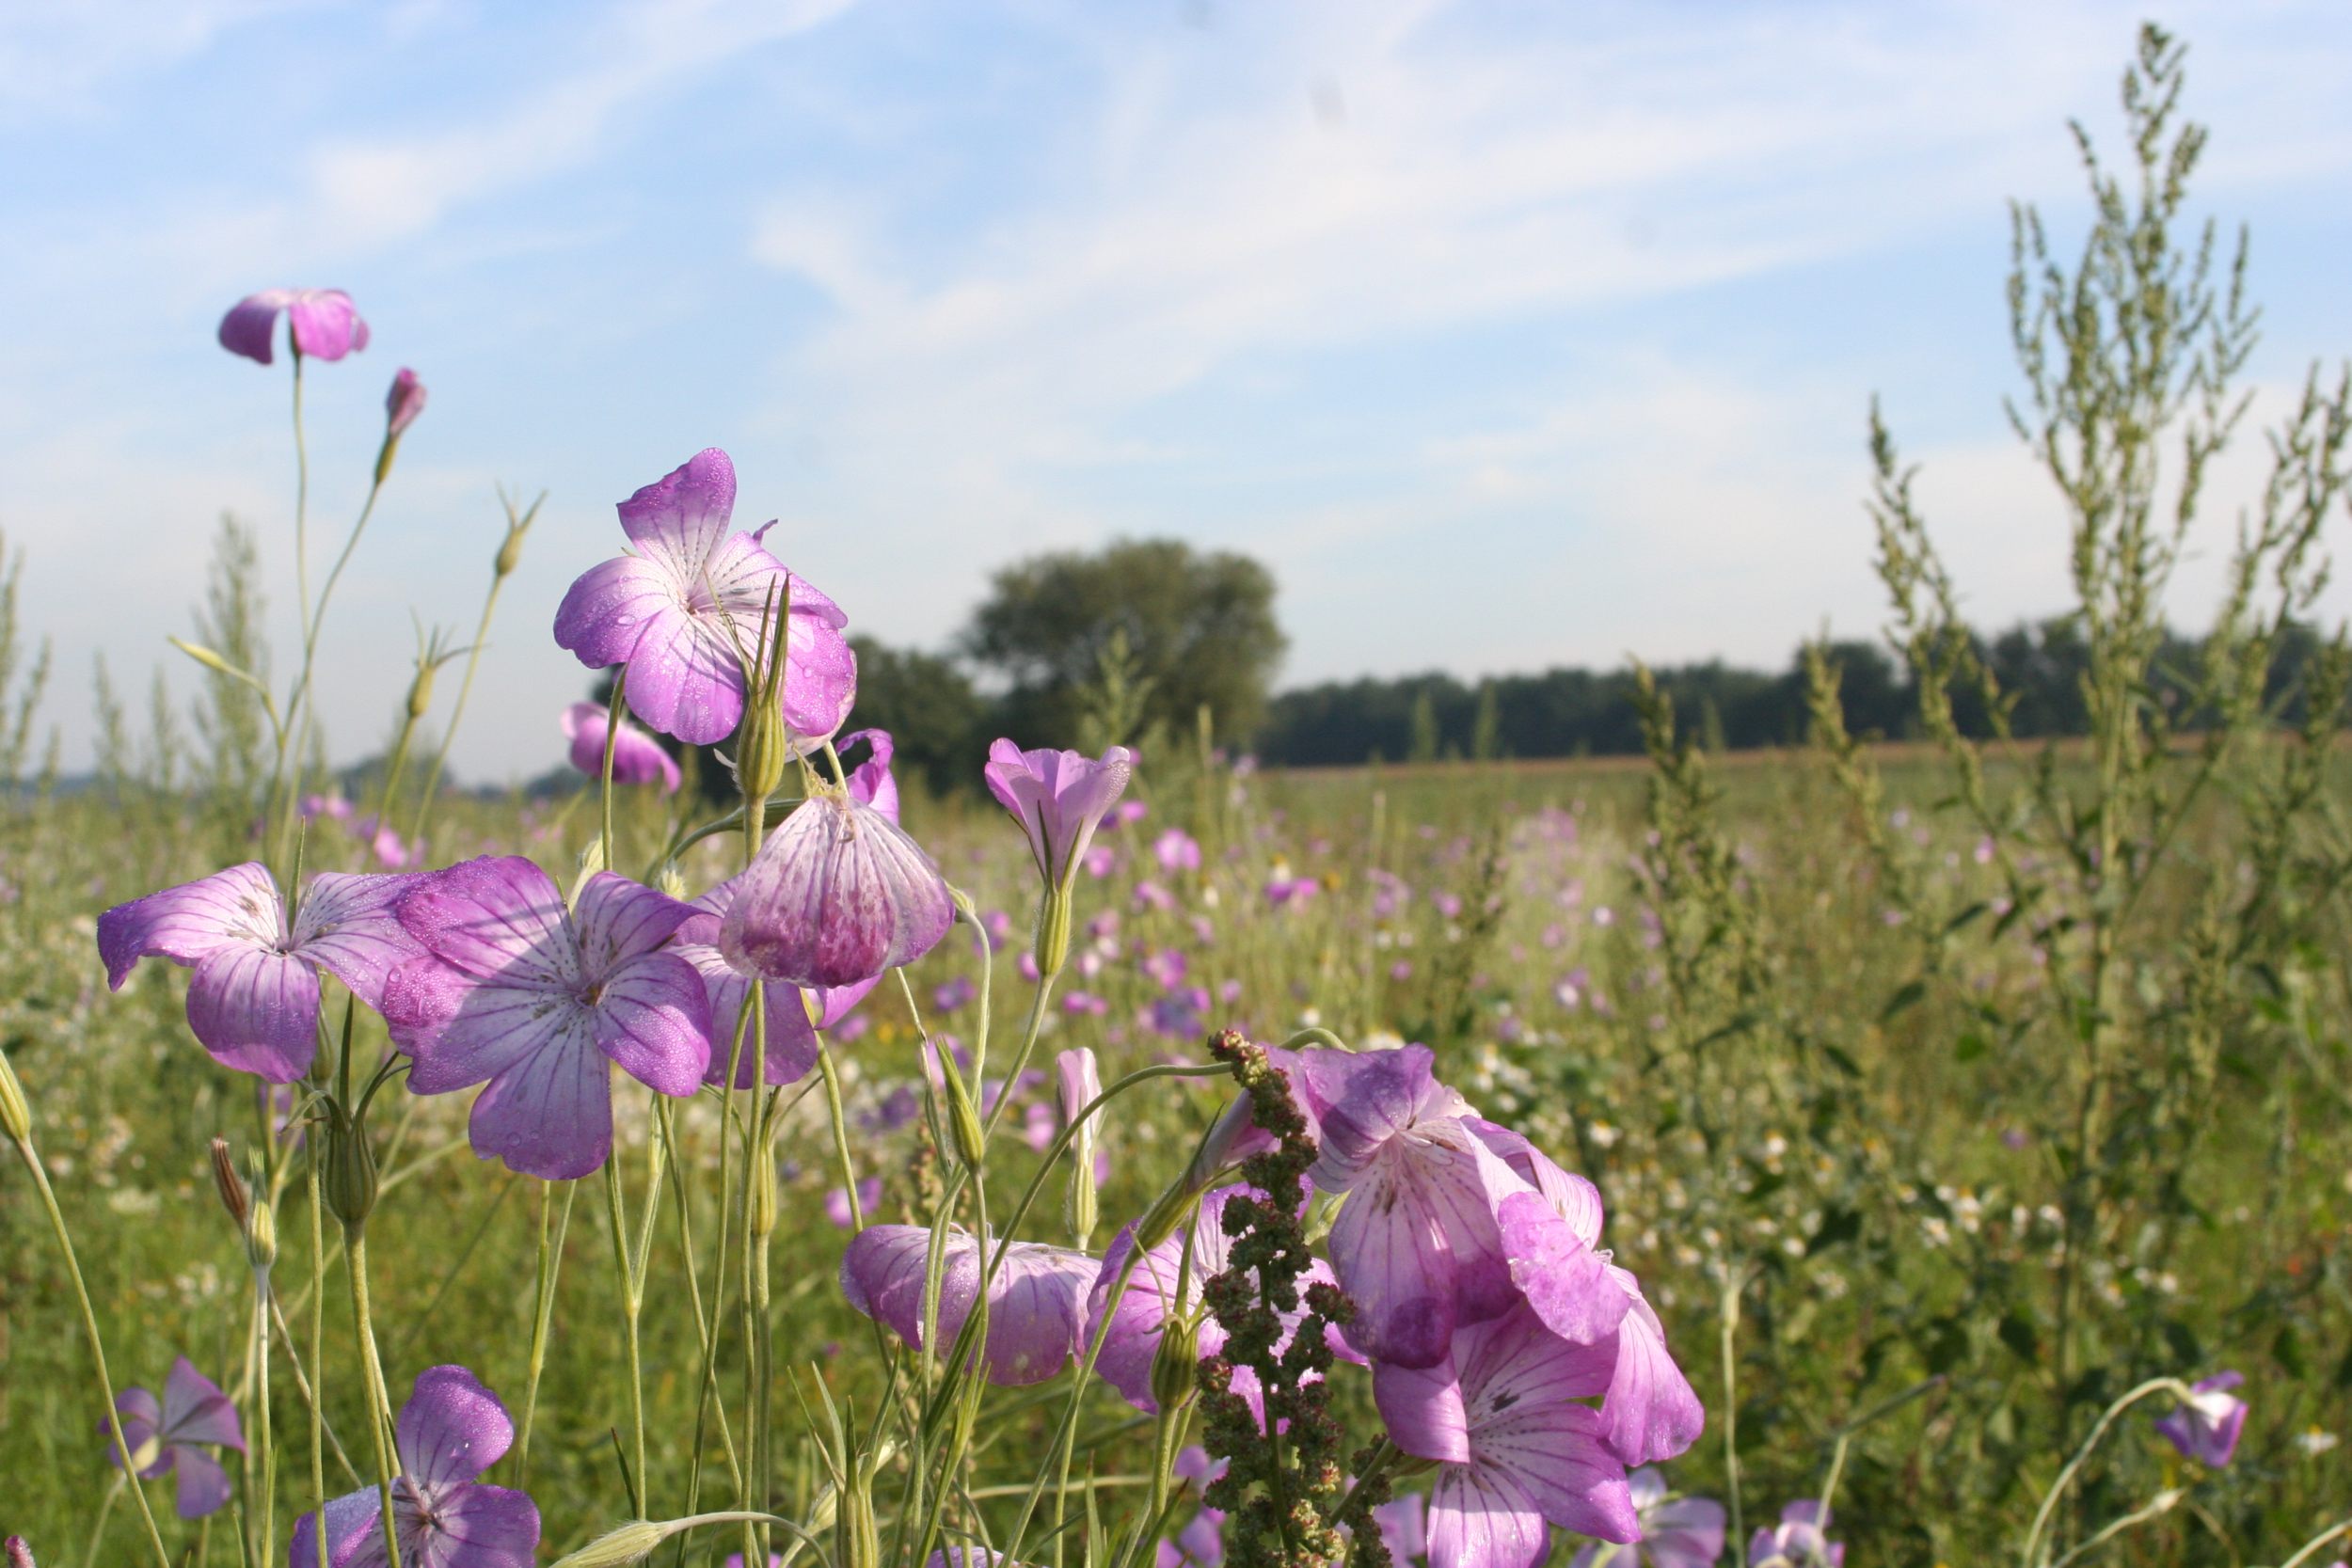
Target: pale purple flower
x: 1158, y: 1289
x: 1404, y: 1526
x: 684, y: 611
x: 637, y: 757
x: 1100, y: 860
x: 334, y: 806
x: 1167, y: 968
x: 1799, y: 1541
x: 791, y: 1011
x: 451, y: 1431
x: 19, y: 1555
x: 322, y: 321
x: 837, y: 1201
x: 173, y: 1435
x: 403, y: 404
x: 952, y: 993
x: 385, y: 845
x: 1151, y: 896
x: 1676, y: 1532
x: 1058, y: 798
x: 537, y: 999
x: 838, y: 894
x: 1032, y: 1301
x: 1130, y: 811
x: 253, y: 1001
x: 2208, y: 1428
x: 1517, y: 1449
x: 1078, y: 1081
x: 1201, y: 1543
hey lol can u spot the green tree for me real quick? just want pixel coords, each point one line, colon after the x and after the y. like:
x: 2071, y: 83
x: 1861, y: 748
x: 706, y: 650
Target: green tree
x: 1200, y: 631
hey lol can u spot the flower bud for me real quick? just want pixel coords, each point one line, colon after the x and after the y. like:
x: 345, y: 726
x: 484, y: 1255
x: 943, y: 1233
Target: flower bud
x: 1053, y: 931
x: 510, y: 553
x: 350, y: 1174
x: 261, y: 1235
x: 420, y: 688
x: 1167, y: 1211
x: 20, y: 1555
x: 617, y: 1548
x: 963, y: 1118
x: 16, y: 1117
x: 1078, y: 1085
x: 228, y: 1184
x: 1176, y: 1363
x: 401, y: 405
x: 862, y: 1534
x: 763, y: 753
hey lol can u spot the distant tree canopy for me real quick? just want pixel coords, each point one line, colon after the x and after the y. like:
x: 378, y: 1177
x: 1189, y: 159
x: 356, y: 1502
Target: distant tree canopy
x: 1198, y: 630
x: 930, y: 708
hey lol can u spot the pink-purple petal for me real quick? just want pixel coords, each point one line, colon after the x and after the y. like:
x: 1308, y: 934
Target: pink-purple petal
x: 1423, y: 1409
x: 686, y: 679
x: 236, y: 908
x: 1477, y: 1520
x: 196, y: 1411
x: 654, y: 1020
x: 324, y: 324
x: 1033, y: 1306
x: 203, y: 1485
x: 549, y: 1115
x: 349, y: 925
x: 484, y: 1527
x: 1651, y: 1412
x: 250, y: 326
x: 452, y: 1428
x: 354, y: 1522
x: 608, y: 607
x: 686, y: 510
x: 617, y: 920
x: 498, y: 917
x: 256, y: 1011
x: 838, y: 894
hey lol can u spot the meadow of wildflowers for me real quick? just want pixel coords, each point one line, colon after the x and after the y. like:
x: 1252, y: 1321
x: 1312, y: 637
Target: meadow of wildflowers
x: 1783, y: 1162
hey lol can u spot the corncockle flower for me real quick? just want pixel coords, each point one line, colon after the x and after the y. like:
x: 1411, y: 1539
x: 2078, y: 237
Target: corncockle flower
x: 1058, y: 798
x: 254, y: 999
x: 950, y: 994
x: 2206, y: 1429
x: 1552, y: 1237
x: 1033, y: 1301
x: 1404, y: 1527
x: 172, y: 1434
x: 1100, y: 860
x: 838, y: 894
x: 403, y: 404
x: 1201, y: 1543
x: 451, y: 1431
x: 1798, y: 1541
x: 315, y: 806
x: 1149, y: 894
x: 385, y: 845
x: 1416, y: 1247
x: 1130, y: 811
x: 637, y: 757
x: 1167, y: 968
x: 321, y: 321
x: 837, y: 1201
x: 1159, y: 1291
x: 536, y: 1001
x: 791, y: 1012
x: 1676, y: 1532
x: 1516, y: 1448
x: 685, y: 611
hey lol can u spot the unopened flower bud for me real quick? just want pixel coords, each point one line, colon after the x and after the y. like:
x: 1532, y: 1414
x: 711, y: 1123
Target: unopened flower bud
x: 1167, y: 1211
x: 20, y: 1555
x: 1053, y: 931
x: 350, y: 1174
x: 420, y: 688
x: 510, y: 553
x: 763, y: 753
x: 1175, y: 1364
x: 16, y: 1117
x: 401, y: 405
x: 1078, y: 1085
x: 963, y: 1118
x: 617, y: 1548
x: 261, y: 1235
x: 228, y: 1184
x: 860, y: 1535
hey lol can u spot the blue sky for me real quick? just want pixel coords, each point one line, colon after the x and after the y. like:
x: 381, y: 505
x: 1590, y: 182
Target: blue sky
x: 1508, y: 334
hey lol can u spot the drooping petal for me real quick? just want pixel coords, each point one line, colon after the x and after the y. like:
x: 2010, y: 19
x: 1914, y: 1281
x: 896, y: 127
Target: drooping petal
x: 1033, y: 1304
x: 349, y: 925
x: 685, y: 512
x: 484, y: 1527
x: 870, y: 781
x: 196, y: 1411
x: 1568, y: 1284
x: 498, y: 917
x: 142, y: 1420
x: 251, y: 324
x: 1651, y: 1412
x: 1572, y: 1197
x: 637, y: 757
x: 1687, y: 1532
x: 203, y: 1485
x: 1477, y: 1520
x: 654, y: 1020
x: 791, y: 1032
x: 452, y: 1428
x: 1393, y: 1262
x: 1423, y: 1409
x: 549, y: 1115
x: 236, y: 908
x: 324, y: 324
x: 609, y: 607
x: 838, y: 894
x: 256, y: 1010
x: 1369, y: 1100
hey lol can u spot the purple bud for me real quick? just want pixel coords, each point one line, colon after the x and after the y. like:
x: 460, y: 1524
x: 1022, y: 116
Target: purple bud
x: 404, y: 402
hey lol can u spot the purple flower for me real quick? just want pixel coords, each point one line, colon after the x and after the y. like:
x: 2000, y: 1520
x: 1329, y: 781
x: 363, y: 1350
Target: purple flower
x: 684, y: 610
x: 1032, y: 1302
x: 403, y: 404
x: 321, y: 320
x: 384, y: 845
x: 1201, y: 1543
x: 1798, y: 1541
x: 838, y: 894
x: 254, y: 999
x: 1159, y: 1289
x: 537, y: 999
x: 1676, y: 1532
x: 1404, y: 1526
x: 1058, y: 798
x: 1167, y: 968
x: 1077, y: 1082
x: 1416, y: 1246
x: 2206, y: 1429
x: 335, y: 806
x: 451, y: 1431
x: 637, y: 757
x: 837, y: 1201
x: 1100, y: 860
x: 1516, y: 1448
x: 170, y: 1435
x: 791, y: 1030
x: 950, y: 994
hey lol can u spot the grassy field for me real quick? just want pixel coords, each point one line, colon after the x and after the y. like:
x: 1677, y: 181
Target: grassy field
x: 1778, y: 1084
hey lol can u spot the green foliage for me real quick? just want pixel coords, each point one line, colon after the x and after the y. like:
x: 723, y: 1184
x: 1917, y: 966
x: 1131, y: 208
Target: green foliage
x: 930, y: 709
x: 1199, y: 626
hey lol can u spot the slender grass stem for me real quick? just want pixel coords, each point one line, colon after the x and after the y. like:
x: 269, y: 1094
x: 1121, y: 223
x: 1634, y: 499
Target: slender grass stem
x: 379, y: 1401
x: 629, y: 1301
x: 543, y: 1311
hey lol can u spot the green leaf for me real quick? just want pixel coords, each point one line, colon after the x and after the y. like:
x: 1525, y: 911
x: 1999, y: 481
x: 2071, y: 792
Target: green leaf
x: 1908, y: 996
x: 1970, y: 1046
x: 2018, y: 1333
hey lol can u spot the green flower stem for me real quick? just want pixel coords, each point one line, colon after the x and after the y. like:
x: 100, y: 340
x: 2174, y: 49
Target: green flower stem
x: 265, y: 1454
x: 97, y: 1344
x: 105, y: 1511
x: 318, y: 1336
x: 379, y: 1402
x: 2058, y: 1489
x: 630, y: 1304
x: 543, y: 1309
